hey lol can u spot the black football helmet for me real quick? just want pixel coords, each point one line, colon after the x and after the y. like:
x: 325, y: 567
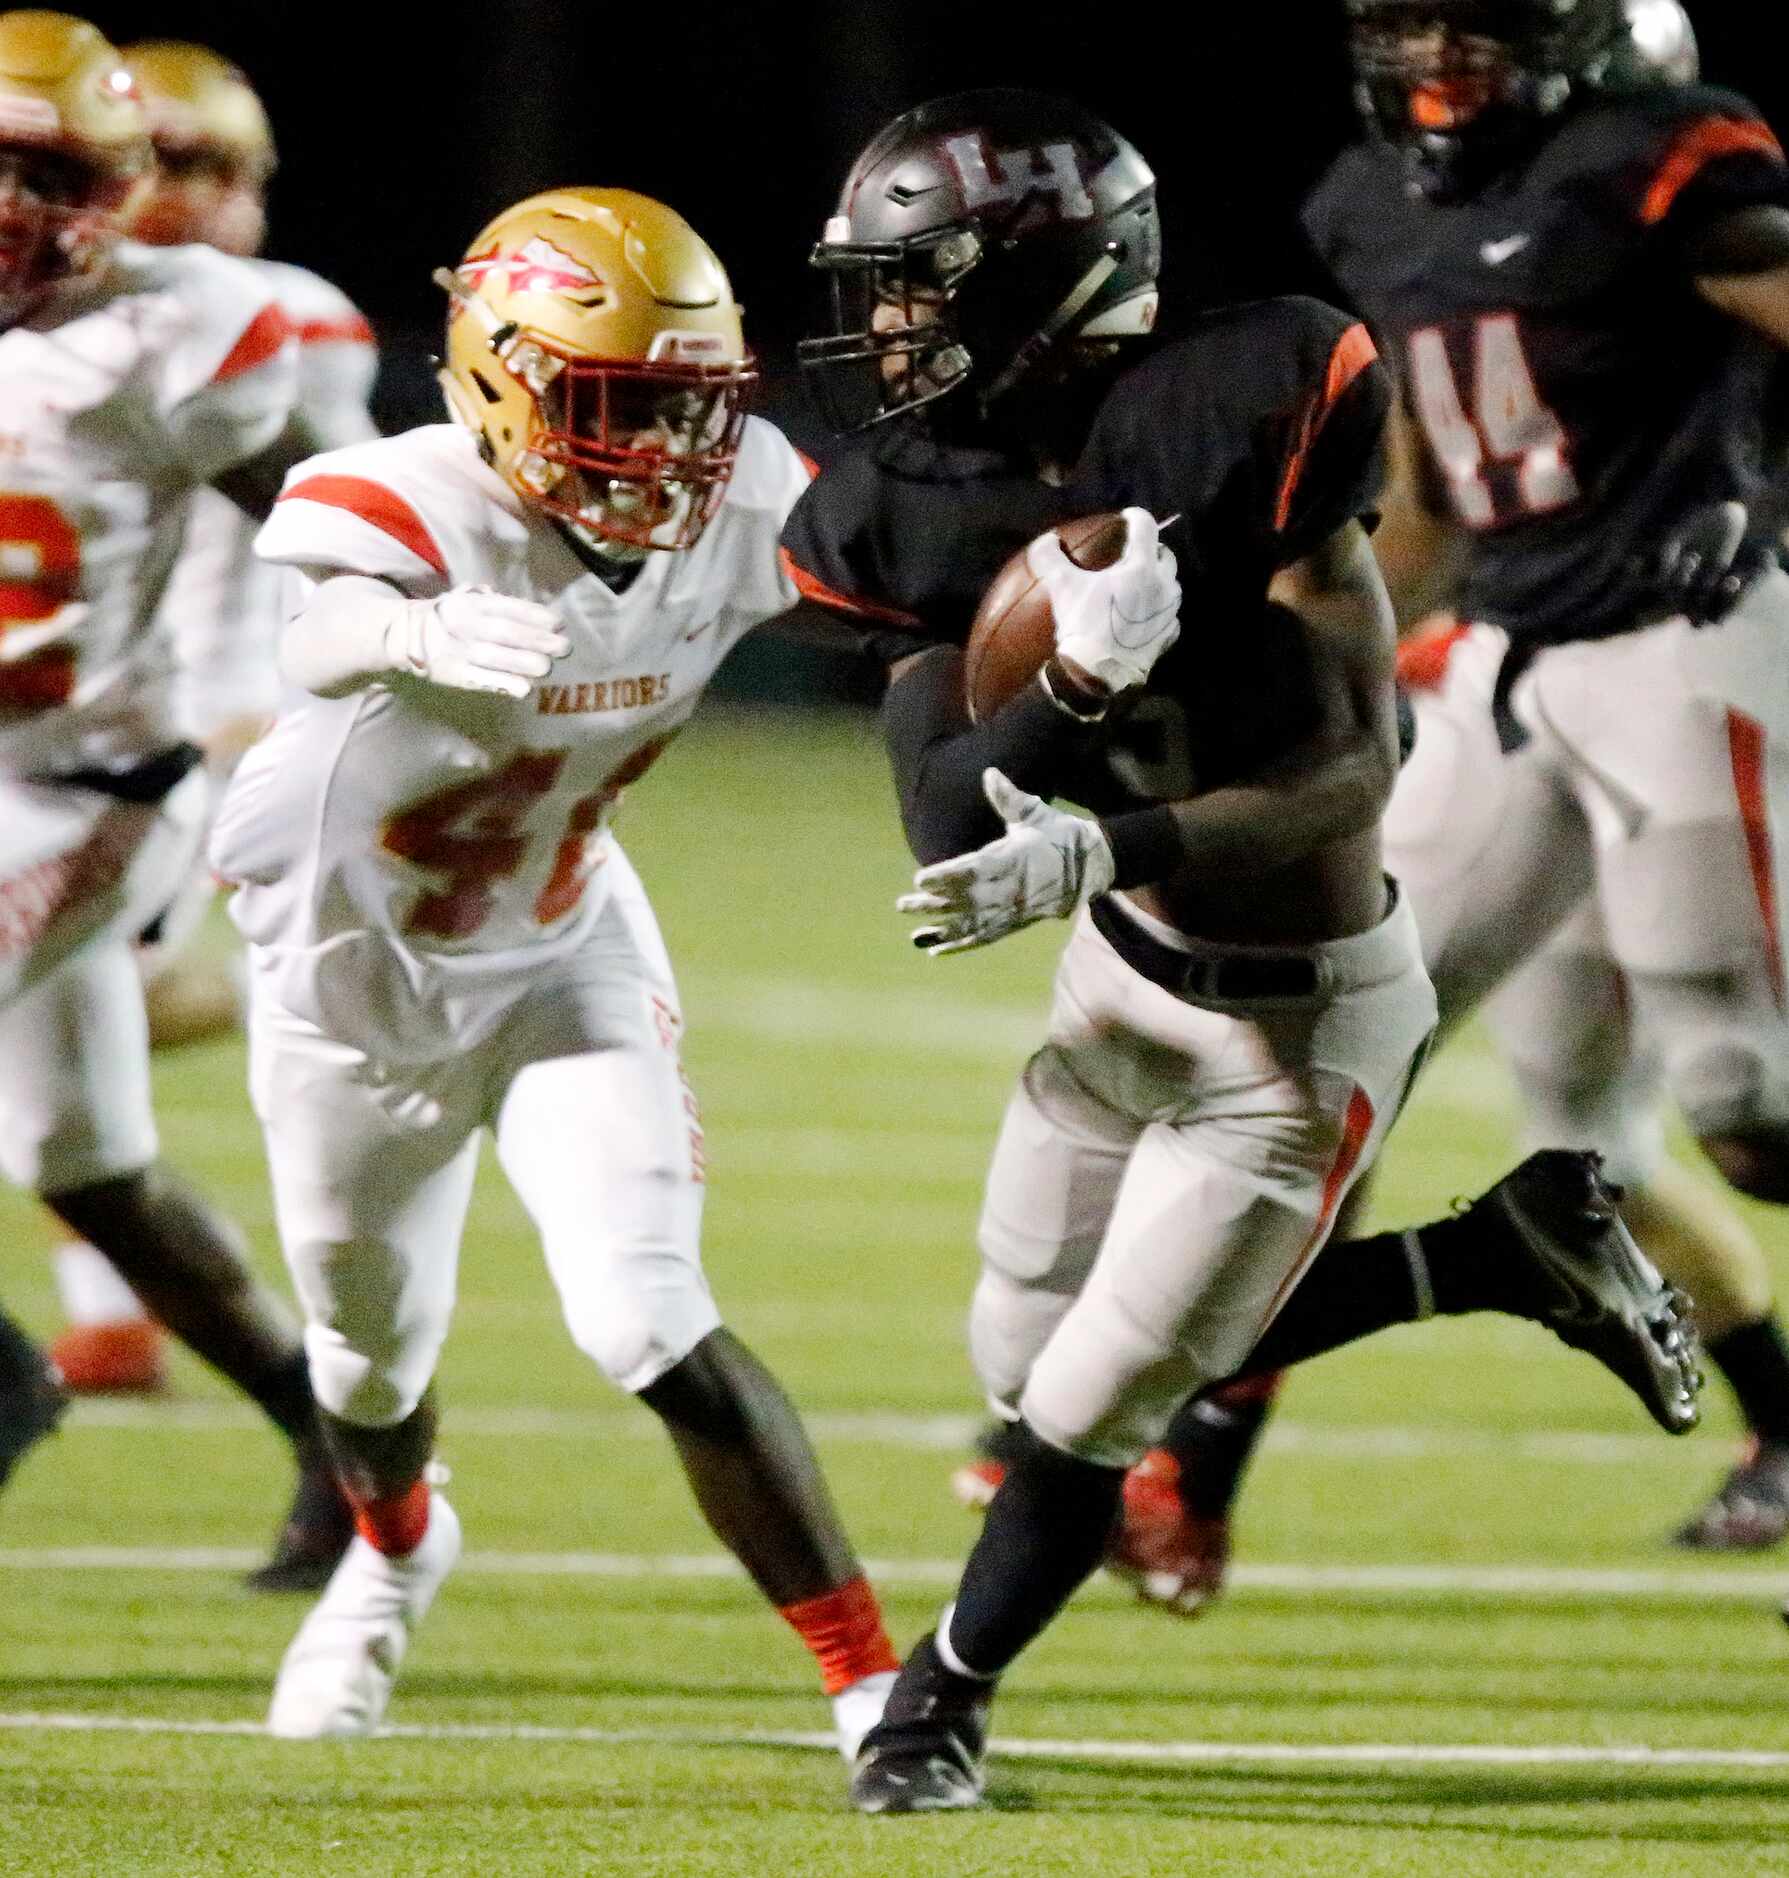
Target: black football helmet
x: 1658, y: 48
x: 974, y: 237
x: 1458, y: 83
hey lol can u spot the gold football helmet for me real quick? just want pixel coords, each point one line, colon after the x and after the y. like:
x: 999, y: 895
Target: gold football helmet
x: 594, y: 347
x: 213, y: 148
x: 74, y: 153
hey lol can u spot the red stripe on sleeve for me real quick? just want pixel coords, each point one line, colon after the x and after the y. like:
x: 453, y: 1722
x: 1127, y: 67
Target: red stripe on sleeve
x: 812, y: 587
x: 351, y: 327
x: 807, y: 463
x: 1423, y: 657
x: 1354, y: 352
x: 259, y: 341
x: 384, y: 508
x: 1697, y: 146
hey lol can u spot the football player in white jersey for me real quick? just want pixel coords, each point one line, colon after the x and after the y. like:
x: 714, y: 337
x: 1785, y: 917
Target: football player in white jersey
x: 503, y: 621
x: 214, y: 154
x: 129, y: 377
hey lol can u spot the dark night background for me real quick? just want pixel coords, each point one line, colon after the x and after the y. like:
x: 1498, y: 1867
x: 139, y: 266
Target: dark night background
x: 402, y: 127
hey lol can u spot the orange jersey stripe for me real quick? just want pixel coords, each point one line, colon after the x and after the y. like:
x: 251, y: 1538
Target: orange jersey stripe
x: 259, y: 341
x: 384, y: 508
x: 812, y: 587
x: 351, y: 327
x: 1354, y: 352
x: 1697, y: 146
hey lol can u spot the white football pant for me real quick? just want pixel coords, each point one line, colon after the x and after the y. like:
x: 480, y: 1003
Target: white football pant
x: 1167, y: 1171
x: 1655, y: 780
x: 81, y: 875
x: 581, y: 1083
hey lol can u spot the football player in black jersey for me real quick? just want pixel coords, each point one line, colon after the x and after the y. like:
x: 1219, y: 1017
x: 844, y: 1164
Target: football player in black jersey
x: 1584, y: 285
x: 1239, y: 1009
x: 1573, y: 250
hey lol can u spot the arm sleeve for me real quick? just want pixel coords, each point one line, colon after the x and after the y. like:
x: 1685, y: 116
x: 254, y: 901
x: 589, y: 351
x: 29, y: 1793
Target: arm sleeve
x: 1334, y: 465
x: 938, y: 755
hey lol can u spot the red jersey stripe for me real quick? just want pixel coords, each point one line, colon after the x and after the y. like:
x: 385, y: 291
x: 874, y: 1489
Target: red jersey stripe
x: 1354, y: 352
x: 384, y: 508
x: 351, y: 327
x: 1697, y: 146
x: 1423, y: 658
x: 259, y: 341
x: 812, y: 587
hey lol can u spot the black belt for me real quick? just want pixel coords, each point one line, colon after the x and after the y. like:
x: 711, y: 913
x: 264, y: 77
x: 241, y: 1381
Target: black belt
x: 1210, y: 978
x: 147, y: 781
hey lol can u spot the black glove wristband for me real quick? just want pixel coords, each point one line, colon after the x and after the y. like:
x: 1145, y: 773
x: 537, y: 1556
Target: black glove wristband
x: 1146, y: 846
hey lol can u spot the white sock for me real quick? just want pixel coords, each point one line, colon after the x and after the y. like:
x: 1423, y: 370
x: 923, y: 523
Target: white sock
x: 91, y: 1290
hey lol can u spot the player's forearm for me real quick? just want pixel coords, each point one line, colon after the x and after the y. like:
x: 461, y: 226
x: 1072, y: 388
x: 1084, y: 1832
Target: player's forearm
x: 349, y: 633
x: 1316, y: 797
x: 939, y: 756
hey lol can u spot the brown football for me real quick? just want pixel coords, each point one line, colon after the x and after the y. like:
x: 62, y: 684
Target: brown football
x: 1014, y: 630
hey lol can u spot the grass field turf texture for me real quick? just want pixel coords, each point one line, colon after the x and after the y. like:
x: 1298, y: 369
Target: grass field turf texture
x: 1458, y: 1644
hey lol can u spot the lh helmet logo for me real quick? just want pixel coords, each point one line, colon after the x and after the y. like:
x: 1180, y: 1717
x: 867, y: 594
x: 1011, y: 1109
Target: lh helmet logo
x: 1015, y: 174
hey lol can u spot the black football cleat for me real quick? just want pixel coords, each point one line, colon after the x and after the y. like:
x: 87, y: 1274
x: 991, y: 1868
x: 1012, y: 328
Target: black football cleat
x: 32, y: 1401
x: 1750, y: 1511
x: 1594, y: 1288
x: 311, y: 1542
x: 925, y: 1754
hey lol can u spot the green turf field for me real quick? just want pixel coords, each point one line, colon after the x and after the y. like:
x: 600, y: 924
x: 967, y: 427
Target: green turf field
x: 1456, y: 1646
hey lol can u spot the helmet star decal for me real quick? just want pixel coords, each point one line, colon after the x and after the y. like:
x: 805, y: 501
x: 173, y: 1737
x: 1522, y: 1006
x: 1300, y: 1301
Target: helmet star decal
x: 536, y: 267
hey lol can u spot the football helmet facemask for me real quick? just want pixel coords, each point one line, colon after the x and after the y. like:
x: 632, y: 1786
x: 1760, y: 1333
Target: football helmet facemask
x: 976, y: 239
x: 1457, y: 82
x: 213, y: 149
x: 74, y: 153
x: 594, y: 347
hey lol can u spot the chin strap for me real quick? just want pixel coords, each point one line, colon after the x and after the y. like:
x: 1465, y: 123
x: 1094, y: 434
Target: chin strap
x: 1038, y: 345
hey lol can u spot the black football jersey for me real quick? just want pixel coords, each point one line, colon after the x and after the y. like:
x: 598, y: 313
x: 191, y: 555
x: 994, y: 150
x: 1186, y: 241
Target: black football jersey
x: 1259, y: 432
x: 1578, y: 397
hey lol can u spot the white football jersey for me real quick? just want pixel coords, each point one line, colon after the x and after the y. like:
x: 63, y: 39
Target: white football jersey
x: 464, y: 833
x: 118, y: 398
x: 223, y: 604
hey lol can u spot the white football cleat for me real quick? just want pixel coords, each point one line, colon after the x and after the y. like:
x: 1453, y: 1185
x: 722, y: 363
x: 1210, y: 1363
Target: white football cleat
x: 855, y: 1711
x: 337, y: 1673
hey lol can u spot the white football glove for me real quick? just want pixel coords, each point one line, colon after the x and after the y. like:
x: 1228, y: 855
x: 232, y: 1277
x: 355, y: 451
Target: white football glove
x: 474, y: 640
x: 1114, y: 622
x: 1046, y: 865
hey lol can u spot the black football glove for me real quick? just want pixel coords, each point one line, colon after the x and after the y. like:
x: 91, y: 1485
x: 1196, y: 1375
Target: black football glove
x: 1705, y: 566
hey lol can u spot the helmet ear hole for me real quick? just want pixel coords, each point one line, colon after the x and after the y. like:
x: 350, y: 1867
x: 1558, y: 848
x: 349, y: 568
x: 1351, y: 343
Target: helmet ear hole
x: 487, y: 390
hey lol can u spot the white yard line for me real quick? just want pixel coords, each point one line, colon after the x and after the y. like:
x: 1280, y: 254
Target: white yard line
x: 1181, y: 1753
x: 1518, y: 1583
x: 954, y: 1433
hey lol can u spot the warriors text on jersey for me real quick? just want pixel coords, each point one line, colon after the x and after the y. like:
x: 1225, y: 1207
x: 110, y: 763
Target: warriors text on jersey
x: 117, y: 400
x: 1259, y: 432
x: 1578, y: 396
x: 450, y: 839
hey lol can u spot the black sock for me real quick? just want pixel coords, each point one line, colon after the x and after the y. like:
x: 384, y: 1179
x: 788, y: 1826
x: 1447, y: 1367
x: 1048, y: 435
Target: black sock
x: 1353, y: 1288
x: 1470, y: 1267
x: 284, y: 1392
x: 1755, y: 1361
x: 1213, y: 1437
x: 1045, y: 1532
x: 22, y: 1364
